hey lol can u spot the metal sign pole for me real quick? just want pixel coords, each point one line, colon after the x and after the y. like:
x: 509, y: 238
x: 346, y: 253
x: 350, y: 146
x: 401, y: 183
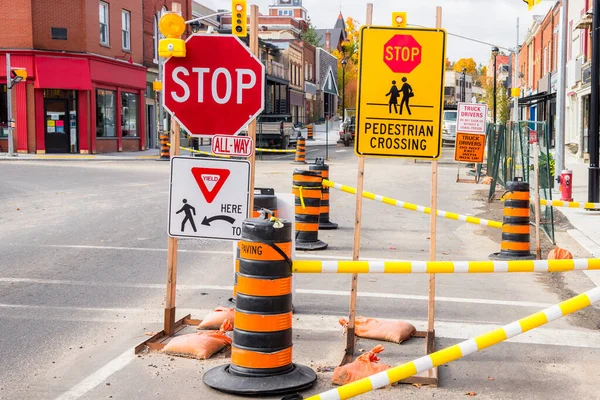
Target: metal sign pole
x: 11, y: 145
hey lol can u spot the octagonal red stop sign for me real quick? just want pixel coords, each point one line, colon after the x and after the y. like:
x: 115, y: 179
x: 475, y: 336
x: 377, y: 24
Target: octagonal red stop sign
x: 217, y: 89
x: 402, y: 54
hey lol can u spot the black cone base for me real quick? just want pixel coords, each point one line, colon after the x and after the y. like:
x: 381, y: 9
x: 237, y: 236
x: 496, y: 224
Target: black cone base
x: 325, y: 226
x: 221, y: 379
x: 318, y: 245
x: 508, y: 257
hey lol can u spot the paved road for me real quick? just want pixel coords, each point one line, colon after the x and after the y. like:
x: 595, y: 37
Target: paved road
x: 82, y: 271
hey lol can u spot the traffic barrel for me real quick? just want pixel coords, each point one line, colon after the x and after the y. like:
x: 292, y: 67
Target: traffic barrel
x: 516, y: 239
x: 301, y: 151
x: 310, y: 132
x: 307, y: 186
x: 264, y: 198
x: 324, y: 222
x: 261, y: 352
x: 164, y: 146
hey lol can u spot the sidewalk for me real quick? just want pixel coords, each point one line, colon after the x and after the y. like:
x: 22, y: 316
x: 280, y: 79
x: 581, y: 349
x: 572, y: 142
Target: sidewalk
x: 586, y: 223
x: 150, y: 154
x: 320, y: 134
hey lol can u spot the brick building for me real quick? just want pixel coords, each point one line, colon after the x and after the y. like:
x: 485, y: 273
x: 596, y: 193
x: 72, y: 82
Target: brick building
x: 85, y: 87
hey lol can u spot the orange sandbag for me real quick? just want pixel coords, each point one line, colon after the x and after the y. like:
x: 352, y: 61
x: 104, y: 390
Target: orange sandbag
x: 216, y: 318
x: 560, y: 254
x: 202, y: 345
x: 365, y: 365
x: 390, y: 331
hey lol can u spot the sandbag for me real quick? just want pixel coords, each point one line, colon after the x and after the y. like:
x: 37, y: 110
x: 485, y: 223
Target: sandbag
x: 216, y: 318
x: 390, y: 331
x: 365, y: 365
x: 202, y: 345
x: 560, y: 254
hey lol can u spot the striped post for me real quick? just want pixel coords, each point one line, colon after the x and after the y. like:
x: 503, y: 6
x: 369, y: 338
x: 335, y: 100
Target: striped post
x: 324, y: 222
x: 306, y: 187
x: 301, y: 151
x: 415, y: 207
x: 261, y: 352
x: 310, y: 132
x: 442, y: 267
x: 462, y: 349
x: 164, y: 146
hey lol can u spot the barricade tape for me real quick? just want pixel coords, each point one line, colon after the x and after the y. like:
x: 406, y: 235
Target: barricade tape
x: 570, y: 204
x: 462, y: 349
x: 276, y: 150
x: 442, y: 267
x: 415, y: 207
x: 206, y: 153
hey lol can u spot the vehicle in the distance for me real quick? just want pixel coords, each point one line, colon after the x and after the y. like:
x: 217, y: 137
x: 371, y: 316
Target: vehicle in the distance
x: 449, y: 126
x: 348, y: 127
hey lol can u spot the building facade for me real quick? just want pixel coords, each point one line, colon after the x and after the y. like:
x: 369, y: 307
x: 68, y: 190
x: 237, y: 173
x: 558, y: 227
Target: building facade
x: 86, y: 83
x: 453, y: 87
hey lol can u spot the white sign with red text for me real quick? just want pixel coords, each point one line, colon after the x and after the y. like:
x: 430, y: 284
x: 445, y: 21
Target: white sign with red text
x: 236, y: 146
x: 471, y: 118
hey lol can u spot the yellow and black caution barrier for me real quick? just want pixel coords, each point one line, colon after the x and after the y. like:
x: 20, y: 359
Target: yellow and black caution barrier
x: 415, y: 207
x: 570, y: 204
x: 275, y: 150
x: 516, y: 238
x: 164, y: 146
x: 301, y: 151
x: 462, y: 349
x: 261, y: 352
x: 442, y: 267
x: 307, y: 189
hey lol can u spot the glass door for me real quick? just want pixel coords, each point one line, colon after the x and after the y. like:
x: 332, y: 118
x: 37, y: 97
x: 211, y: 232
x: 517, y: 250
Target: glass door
x: 57, y: 126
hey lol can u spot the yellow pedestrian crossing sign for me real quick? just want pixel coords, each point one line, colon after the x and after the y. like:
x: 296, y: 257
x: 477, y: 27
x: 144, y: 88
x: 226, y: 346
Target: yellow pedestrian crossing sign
x: 401, y: 92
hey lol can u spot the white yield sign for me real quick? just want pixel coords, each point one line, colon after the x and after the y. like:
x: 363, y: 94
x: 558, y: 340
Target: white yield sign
x: 208, y: 198
x: 471, y: 118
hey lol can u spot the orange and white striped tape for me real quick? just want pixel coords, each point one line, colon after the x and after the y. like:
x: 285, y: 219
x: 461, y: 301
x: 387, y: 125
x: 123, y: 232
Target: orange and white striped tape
x: 414, y: 207
x: 442, y: 267
x: 462, y: 349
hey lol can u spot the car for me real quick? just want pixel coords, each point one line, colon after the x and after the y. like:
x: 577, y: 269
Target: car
x: 449, y: 127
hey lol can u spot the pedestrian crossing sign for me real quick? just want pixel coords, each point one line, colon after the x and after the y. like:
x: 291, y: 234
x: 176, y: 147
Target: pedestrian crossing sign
x: 400, y: 92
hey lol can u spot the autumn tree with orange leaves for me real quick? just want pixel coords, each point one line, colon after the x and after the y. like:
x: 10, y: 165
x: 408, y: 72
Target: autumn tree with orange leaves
x: 349, y: 53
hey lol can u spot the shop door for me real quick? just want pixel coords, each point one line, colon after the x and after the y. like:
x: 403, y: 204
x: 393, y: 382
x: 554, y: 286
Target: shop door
x: 150, y: 126
x: 57, y: 126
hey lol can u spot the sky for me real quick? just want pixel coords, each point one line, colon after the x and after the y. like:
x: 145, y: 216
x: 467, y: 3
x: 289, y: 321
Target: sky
x: 490, y: 21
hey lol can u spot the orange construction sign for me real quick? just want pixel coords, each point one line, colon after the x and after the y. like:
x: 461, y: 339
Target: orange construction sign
x: 469, y: 147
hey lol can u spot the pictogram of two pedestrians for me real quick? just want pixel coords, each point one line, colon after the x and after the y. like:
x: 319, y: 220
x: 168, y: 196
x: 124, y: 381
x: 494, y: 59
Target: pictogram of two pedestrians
x: 394, y: 93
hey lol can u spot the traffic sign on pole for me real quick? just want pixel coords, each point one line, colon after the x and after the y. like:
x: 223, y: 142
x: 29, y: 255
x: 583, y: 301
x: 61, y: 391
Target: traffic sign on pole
x: 471, y: 118
x: 235, y: 146
x: 208, y: 198
x: 217, y: 88
x: 401, y: 92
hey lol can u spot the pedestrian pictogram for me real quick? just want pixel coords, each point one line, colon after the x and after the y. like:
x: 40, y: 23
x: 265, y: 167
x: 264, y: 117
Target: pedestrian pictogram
x: 400, y: 93
x: 208, y: 198
x: 228, y: 82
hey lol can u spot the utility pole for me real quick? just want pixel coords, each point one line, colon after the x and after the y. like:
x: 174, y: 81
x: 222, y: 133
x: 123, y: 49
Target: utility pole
x: 9, y: 116
x: 594, y: 127
x: 561, y: 90
x: 517, y: 77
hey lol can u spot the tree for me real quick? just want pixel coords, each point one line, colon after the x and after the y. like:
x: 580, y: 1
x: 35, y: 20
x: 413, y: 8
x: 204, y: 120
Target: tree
x: 311, y: 36
x: 502, y: 100
x: 467, y: 63
x: 347, y: 81
x: 449, y: 65
x: 483, y: 71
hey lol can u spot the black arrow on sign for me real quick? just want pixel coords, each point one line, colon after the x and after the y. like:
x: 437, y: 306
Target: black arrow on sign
x: 206, y: 221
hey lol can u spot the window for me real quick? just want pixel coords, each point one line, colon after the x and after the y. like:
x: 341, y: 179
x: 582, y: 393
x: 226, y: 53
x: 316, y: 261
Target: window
x: 104, y: 39
x: 155, y: 40
x: 129, y: 112
x: 126, y: 28
x: 3, y: 112
x: 105, y: 113
x: 570, y: 42
x: 59, y: 33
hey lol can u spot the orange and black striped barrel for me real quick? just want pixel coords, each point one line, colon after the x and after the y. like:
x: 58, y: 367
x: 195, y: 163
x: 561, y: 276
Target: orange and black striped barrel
x: 301, y: 150
x: 324, y: 222
x: 261, y: 352
x: 164, y: 147
x: 307, y: 187
x: 264, y: 199
x: 516, y: 239
x: 310, y: 132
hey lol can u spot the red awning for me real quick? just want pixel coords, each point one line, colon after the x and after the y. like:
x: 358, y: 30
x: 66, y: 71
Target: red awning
x: 62, y: 73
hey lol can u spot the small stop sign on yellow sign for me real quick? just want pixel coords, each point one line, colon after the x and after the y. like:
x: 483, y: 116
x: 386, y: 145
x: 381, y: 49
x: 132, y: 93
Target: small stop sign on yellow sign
x: 401, y: 92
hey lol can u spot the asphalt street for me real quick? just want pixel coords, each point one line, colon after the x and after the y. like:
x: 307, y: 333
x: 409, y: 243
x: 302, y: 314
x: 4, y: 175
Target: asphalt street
x: 82, y: 281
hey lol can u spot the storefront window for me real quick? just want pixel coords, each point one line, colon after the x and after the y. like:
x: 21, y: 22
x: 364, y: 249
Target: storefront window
x: 3, y: 112
x: 105, y: 113
x: 129, y: 114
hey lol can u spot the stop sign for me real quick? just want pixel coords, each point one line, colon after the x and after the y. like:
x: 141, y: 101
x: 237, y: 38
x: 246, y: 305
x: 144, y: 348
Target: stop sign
x: 402, y: 53
x: 217, y: 89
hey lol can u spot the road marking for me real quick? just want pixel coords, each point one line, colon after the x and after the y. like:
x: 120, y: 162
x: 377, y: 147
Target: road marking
x: 341, y: 151
x: 337, y: 293
x: 99, y: 376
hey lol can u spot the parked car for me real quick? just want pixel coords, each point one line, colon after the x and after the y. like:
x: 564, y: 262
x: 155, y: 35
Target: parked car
x: 449, y: 127
x: 348, y: 130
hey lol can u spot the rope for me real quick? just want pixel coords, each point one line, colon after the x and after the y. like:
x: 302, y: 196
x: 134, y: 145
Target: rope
x: 300, y: 192
x: 200, y: 152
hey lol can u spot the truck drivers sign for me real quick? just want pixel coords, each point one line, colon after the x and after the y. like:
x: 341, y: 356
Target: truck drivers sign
x: 400, y: 93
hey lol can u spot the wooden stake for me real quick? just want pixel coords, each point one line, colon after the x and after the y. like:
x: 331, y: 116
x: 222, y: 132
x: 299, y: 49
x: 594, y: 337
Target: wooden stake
x: 433, y: 234
x: 252, y: 126
x: 350, y: 336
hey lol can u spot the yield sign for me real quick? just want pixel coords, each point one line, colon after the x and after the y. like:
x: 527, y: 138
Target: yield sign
x: 210, y: 181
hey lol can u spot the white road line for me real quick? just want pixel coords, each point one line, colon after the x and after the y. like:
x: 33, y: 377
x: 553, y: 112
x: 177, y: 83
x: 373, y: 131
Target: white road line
x: 337, y: 293
x: 99, y: 376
